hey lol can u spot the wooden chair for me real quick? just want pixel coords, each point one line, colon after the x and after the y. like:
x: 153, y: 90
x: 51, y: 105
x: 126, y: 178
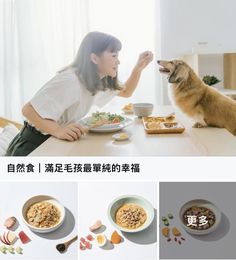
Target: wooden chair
x: 4, y: 122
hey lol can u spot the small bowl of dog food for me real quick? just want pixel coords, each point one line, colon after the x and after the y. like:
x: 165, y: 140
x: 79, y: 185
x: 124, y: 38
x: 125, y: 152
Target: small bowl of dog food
x: 200, y: 217
x: 142, y: 109
x: 131, y: 213
x: 43, y: 213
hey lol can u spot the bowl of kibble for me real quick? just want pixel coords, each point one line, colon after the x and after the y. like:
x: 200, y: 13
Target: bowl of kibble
x: 43, y: 213
x: 200, y: 217
x: 130, y: 213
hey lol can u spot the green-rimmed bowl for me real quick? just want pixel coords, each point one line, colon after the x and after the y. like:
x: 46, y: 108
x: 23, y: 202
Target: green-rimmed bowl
x: 138, y: 200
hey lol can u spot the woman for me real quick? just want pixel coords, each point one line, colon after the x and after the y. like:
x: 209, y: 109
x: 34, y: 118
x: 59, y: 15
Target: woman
x: 67, y: 97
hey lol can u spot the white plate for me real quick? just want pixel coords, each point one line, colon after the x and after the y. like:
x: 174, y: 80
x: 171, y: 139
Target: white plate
x: 107, y: 127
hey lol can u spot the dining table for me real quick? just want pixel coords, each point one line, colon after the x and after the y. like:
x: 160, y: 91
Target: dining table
x: 209, y: 141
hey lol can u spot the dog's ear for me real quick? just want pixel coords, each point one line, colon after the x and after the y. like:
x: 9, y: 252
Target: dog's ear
x: 174, y: 78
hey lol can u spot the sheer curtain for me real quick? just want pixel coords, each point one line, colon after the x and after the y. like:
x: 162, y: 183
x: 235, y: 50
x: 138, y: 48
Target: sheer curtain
x: 41, y: 36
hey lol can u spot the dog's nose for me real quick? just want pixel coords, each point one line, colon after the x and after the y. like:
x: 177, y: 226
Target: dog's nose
x: 158, y: 61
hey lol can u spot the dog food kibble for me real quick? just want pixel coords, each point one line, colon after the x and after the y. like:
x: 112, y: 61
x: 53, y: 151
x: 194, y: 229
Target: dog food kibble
x: 169, y: 239
x: 175, y: 239
x: 205, y: 218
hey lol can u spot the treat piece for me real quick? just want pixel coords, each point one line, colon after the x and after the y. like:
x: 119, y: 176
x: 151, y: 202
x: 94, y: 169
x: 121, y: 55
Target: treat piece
x: 115, y: 238
x: 166, y: 232
x: 10, y: 222
x: 23, y: 237
x: 176, y: 232
x: 96, y: 226
x: 90, y: 237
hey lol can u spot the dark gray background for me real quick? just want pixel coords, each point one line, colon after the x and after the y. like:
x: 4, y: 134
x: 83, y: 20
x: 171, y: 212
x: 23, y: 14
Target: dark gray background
x: 221, y: 243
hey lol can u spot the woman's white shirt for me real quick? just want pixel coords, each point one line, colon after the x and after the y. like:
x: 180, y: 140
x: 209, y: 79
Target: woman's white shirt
x: 64, y: 99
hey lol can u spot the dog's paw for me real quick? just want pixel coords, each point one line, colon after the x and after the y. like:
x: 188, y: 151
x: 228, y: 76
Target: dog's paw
x: 199, y: 125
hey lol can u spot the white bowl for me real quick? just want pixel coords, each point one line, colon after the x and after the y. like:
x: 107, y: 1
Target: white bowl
x: 142, y: 109
x: 201, y: 203
x: 140, y: 201
x: 41, y: 198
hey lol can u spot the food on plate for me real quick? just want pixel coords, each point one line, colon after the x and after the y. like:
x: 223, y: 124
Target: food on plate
x: 96, y: 225
x: 115, y: 238
x: 10, y: 222
x: 43, y: 215
x: 128, y: 108
x: 101, y: 240
x: 101, y: 118
x: 170, y: 125
x: 176, y: 232
x: 23, y: 237
x: 165, y: 231
x: 153, y: 125
x: 131, y: 216
x: 8, y: 238
x: 199, y: 218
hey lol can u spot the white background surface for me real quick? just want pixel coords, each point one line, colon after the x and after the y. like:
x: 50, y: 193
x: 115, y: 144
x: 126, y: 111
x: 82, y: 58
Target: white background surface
x: 94, y: 199
x: 42, y: 246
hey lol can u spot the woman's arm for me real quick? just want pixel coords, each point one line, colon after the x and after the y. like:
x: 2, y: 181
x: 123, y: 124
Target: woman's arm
x: 68, y: 132
x: 130, y: 85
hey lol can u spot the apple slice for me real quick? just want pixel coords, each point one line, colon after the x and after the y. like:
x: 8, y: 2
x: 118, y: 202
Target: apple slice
x: 3, y: 240
x: 5, y: 234
x: 11, y: 237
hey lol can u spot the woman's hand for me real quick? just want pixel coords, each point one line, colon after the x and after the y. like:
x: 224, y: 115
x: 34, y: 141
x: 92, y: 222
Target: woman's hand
x: 71, y: 132
x: 144, y: 59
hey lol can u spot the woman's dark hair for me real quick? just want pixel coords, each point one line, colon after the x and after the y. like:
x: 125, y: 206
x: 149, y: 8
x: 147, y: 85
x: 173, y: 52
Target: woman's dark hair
x: 86, y: 70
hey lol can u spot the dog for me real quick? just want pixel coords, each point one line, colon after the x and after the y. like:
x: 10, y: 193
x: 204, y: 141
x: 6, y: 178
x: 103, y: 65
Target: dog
x: 204, y: 104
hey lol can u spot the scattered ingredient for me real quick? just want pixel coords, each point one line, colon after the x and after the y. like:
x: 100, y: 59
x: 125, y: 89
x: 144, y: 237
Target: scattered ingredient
x: 43, y: 214
x: 11, y: 249
x: 8, y: 238
x: 166, y: 223
x: 115, y: 238
x: 10, y: 222
x: 163, y: 218
x: 3, y: 249
x: 205, y: 218
x: 85, y: 244
x: 81, y: 246
x: 176, y: 232
x: 90, y: 238
x: 131, y: 216
x: 96, y: 226
x: 23, y: 237
x: 101, y: 240
x: 166, y: 232
x: 19, y: 250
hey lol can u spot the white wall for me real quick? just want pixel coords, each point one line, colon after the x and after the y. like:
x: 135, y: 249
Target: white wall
x: 196, y: 25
